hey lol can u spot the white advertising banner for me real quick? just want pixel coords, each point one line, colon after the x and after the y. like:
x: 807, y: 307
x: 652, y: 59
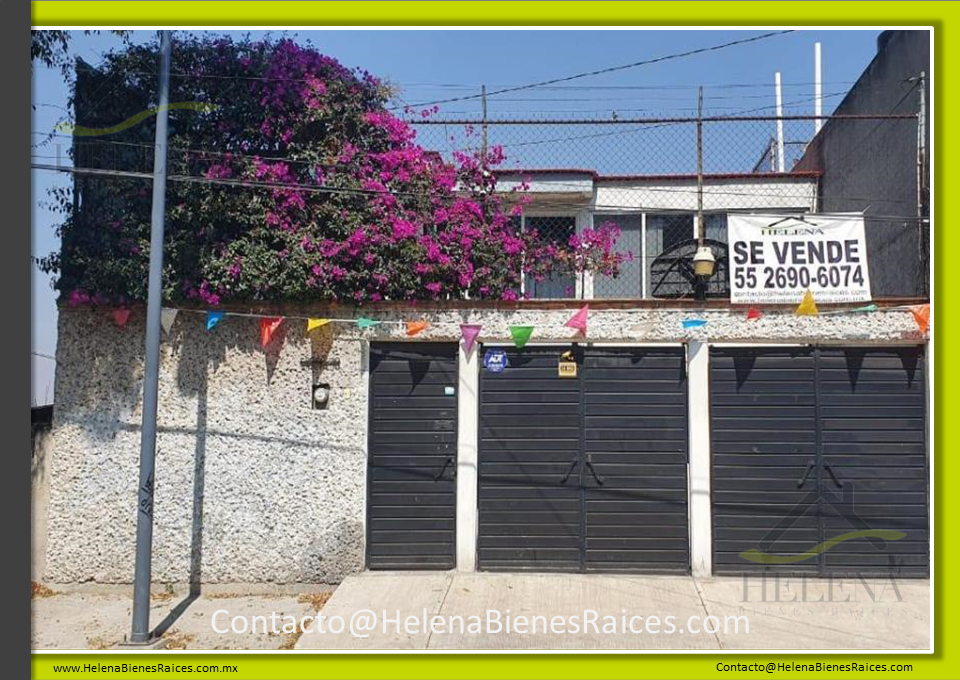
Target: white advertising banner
x: 774, y: 259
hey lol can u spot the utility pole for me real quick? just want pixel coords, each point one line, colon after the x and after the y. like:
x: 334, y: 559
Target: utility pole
x: 701, y: 229
x: 140, y: 629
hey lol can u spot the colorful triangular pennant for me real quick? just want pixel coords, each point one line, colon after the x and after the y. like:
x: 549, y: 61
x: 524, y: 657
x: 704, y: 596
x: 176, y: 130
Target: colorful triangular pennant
x: 364, y: 323
x: 469, y: 331
x: 268, y: 326
x: 167, y: 317
x: 121, y: 316
x: 865, y: 308
x: 753, y: 313
x: 415, y: 327
x: 579, y: 320
x: 808, y: 306
x: 316, y: 323
x: 521, y: 335
x: 213, y: 318
x: 921, y: 314
x: 694, y: 323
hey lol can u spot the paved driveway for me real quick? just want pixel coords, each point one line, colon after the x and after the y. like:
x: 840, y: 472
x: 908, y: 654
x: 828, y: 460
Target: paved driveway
x: 554, y: 611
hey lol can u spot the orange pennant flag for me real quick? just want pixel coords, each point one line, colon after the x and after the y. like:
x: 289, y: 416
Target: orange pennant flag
x: 921, y: 314
x: 414, y: 327
x: 808, y: 306
x: 268, y: 326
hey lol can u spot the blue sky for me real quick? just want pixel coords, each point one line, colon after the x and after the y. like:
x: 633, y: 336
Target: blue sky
x: 431, y: 65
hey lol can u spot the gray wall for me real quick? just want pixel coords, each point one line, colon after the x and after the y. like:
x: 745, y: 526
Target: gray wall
x: 871, y: 165
x: 253, y: 485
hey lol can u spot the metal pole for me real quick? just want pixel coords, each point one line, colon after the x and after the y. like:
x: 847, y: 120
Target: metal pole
x: 923, y: 234
x: 780, y: 162
x: 701, y: 230
x: 483, y: 124
x: 140, y: 631
x: 817, y: 89
x: 921, y: 144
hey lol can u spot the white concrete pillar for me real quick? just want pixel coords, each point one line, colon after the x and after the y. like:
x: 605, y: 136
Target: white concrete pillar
x: 698, y: 469
x: 468, y: 413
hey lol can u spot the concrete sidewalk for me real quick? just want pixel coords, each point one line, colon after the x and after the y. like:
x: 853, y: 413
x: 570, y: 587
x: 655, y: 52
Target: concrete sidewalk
x: 811, y: 614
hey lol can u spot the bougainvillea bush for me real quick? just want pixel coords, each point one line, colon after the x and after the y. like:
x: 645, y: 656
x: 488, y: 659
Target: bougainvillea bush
x: 298, y: 183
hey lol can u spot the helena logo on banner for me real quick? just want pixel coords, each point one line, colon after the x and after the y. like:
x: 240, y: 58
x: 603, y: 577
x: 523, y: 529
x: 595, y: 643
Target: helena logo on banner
x: 775, y: 259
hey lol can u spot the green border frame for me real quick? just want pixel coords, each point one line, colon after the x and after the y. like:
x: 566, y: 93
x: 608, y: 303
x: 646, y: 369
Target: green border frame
x: 943, y: 17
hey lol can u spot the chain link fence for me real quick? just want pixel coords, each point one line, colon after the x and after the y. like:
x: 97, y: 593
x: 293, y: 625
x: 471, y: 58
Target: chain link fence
x: 642, y: 175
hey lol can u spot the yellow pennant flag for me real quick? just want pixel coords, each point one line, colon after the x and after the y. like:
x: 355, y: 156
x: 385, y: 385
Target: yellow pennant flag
x: 807, y: 307
x: 316, y: 323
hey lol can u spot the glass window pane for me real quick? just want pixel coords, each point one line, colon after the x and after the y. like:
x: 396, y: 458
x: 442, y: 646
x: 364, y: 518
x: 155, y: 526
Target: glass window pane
x: 558, y: 229
x: 715, y: 226
x: 664, y: 231
x: 628, y: 283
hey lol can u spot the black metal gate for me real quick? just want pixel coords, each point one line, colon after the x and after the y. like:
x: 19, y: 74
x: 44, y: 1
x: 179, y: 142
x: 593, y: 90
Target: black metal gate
x: 411, y: 486
x: 585, y: 473
x: 819, y: 461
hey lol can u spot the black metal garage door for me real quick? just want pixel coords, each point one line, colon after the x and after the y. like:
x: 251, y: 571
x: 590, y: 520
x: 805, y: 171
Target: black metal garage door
x: 411, y: 492
x: 811, y: 445
x: 585, y: 473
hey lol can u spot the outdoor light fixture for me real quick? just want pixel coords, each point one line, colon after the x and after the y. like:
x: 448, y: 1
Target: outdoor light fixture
x: 704, y: 262
x: 321, y: 396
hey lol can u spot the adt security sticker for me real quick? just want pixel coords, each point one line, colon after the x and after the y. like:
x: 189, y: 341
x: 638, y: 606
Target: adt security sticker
x: 495, y: 360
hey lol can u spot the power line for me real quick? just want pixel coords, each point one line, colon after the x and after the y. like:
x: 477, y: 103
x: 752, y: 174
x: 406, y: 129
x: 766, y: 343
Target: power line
x: 372, y: 192
x: 645, y: 62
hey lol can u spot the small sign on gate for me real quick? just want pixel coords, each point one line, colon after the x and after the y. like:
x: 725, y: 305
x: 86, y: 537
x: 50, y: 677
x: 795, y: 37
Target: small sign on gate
x: 567, y: 368
x: 495, y: 360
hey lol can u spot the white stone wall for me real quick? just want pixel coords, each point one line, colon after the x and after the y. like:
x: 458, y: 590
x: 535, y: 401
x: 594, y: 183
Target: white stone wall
x: 252, y: 485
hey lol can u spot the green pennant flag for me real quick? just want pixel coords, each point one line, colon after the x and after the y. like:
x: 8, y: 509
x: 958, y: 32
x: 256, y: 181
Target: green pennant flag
x: 521, y: 334
x: 364, y: 323
x: 865, y: 308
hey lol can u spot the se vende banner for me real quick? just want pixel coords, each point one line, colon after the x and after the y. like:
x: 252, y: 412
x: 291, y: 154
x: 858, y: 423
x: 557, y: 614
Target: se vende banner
x: 775, y: 259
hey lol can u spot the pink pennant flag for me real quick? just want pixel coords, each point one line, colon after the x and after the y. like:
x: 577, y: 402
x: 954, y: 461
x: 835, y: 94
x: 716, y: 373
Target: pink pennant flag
x: 269, y: 326
x: 120, y: 317
x: 579, y: 320
x: 469, y: 331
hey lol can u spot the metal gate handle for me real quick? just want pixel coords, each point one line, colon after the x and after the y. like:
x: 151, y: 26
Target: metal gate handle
x: 447, y: 463
x: 593, y: 470
x: 833, y: 475
x: 573, y: 465
x: 806, y: 473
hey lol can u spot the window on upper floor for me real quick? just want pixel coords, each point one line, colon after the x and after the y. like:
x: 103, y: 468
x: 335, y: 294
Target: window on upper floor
x: 557, y: 229
x: 647, y: 237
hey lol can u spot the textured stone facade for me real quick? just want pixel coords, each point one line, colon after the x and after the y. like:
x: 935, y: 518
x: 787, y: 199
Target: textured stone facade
x: 252, y: 484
